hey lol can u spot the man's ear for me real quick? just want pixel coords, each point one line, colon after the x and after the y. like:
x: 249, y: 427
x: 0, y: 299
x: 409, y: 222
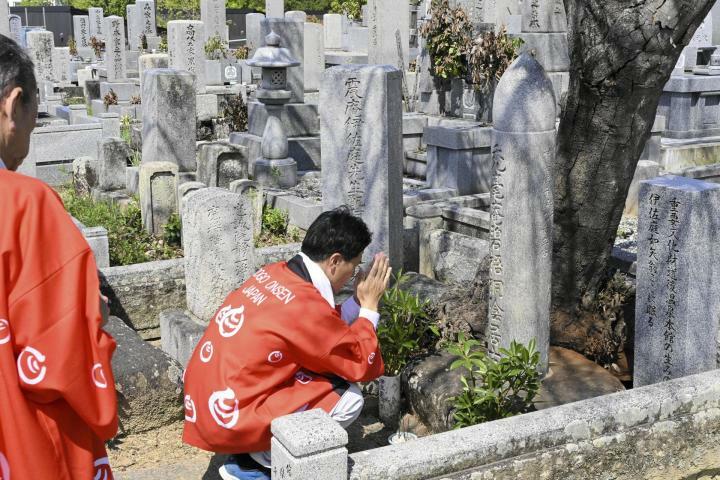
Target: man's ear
x: 11, y: 103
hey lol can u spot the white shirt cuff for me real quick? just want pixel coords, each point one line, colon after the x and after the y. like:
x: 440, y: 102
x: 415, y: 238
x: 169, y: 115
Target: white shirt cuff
x: 349, y: 310
x: 374, y: 317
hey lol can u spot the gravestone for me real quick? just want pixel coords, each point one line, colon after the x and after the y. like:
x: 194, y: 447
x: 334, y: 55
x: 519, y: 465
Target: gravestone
x: 113, y: 155
x: 221, y: 163
x: 158, y: 194
x: 361, y: 135
x: 676, y: 314
x: 61, y: 64
x: 132, y: 17
x: 212, y: 14
x: 96, y: 22
x: 81, y: 29
x: 168, y: 114
x: 186, y: 49
x: 146, y: 12
x: 219, y: 249
x: 388, y: 19
x: 150, y: 61
x: 332, y: 24
x: 314, y: 56
x: 16, y: 28
x: 478, y: 11
x: 4, y: 18
x: 296, y: 15
x: 115, y: 55
x: 521, y: 209
x: 253, y: 31
x: 292, y: 37
x: 275, y: 8
x: 543, y: 16
x: 40, y: 44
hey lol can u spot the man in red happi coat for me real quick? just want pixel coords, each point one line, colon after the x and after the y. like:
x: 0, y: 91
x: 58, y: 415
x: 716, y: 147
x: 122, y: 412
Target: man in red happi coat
x: 279, y: 345
x: 57, y: 393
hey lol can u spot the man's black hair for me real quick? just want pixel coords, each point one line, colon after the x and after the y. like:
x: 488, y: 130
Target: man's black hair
x: 16, y: 70
x: 336, y: 231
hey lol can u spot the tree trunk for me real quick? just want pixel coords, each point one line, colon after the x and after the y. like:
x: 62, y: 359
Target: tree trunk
x: 622, y: 53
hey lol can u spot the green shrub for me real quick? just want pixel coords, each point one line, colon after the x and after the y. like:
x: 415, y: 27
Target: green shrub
x: 405, y: 326
x: 172, y: 232
x: 129, y: 243
x: 494, y: 389
x: 489, y: 55
x: 215, y: 48
x: 351, y: 8
x: 448, y: 34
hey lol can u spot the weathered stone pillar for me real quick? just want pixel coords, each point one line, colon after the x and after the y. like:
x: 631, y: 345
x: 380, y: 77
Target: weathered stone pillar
x: 332, y: 24
x: 213, y: 16
x: 132, y: 16
x: 221, y: 163
x: 16, y: 28
x: 158, y: 194
x: 521, y: 209
x: 308, y: 446
x: 275, y: 8
x: 314, y: 56
x: 113, y: 154
x: 40, y: 44
x: 81, y: 30
x: 361, y: 133
x: 115, y: 54
x: 186, y: 48
x: 678, y: 275
x: 388, y: 19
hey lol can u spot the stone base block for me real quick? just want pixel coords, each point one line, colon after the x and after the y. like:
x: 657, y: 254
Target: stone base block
x: 298, y: 119
x: 124, y: 91
x: 301, y: 212
x: 148, y: 382
x: 206, y: 107
x: 276, y: 173
x: 304, y: 150
x: 467, y: 171
x: 180, y: 332
x: 341, y: 57
x: 132, y: 179
x: 415, y: 164
x: 679, y: 155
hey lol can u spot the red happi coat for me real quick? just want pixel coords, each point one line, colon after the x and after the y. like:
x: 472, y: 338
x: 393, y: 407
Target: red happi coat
x: 262, y: 357
x: 57, y: 395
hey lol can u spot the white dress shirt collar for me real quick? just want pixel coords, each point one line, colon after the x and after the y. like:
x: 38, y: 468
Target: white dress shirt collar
x: 319, y: 280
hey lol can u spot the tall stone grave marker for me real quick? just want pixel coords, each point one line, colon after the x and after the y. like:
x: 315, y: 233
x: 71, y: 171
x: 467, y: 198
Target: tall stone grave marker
x: 186, y: 39
x: 677, y: 309
x: 314, y: 56
x: 521, y: 209
x: 275, y: 8
x: 479, y: 11
x: 4, y: 18
x: 212, y: 14
x: 333, y: 26
x: 132, y: 17
x: 61, y: 64
x: 361, y: 134
x: 115, y: 55
x: 40, y: 44
x: 157, y: 188
x: 389, y: 29
x: 292, y: 37
x: 16, y: 28
x: 112, y: 162
x: 296, y: 15
x: 149, y: 61
x: 168, y: 114
x: 146, y: 10
x: 81, y: 29
x: 97, y: 21
x: 218, y: 243
x: 253, y: 31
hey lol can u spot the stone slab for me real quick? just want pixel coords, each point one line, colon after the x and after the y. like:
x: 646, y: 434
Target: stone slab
x: 180, y: 334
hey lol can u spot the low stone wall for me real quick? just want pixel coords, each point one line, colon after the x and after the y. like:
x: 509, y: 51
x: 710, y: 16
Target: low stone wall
x: 667, y: 430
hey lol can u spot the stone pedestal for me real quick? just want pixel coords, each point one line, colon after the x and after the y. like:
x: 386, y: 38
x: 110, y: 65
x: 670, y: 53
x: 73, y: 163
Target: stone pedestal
x: 308, y: 445
x: 676, y: 314
x: 158, y: 194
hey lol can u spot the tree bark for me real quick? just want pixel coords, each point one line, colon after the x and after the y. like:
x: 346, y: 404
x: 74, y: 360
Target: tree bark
x: 622, y: 53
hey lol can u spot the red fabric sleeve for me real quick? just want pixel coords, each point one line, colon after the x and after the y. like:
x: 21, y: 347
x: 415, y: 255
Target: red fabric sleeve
x: 54, y: 314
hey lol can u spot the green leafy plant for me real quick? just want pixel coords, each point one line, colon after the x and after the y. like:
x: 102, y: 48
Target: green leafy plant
x: 162, y: 45
x: 67, y: 100
x: 351, y: 8
x: 97, y: 45
x: 489, y: 55
x: 405, y: 327
x: 236, y: 114
x: 125, y: 128
x: 110, y: 98
x: 172, y: 231
x: 494, y: 389
x: 72, y: 46
x: 241, y: 53
x: 448, y: 34
x: 275, y: 228
x: 215, y: 48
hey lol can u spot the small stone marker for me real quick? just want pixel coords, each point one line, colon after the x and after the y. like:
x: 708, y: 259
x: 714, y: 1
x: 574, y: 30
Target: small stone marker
x: 676, y: 314
x: 275, y: 8
x: 113, y: 155
x: 221, y: 163
x: 115, y: 54
x: 97, y: 21
x: 186, y: 48
x: 146, y: 11
x: 40, y: 44
x: 361, y: 134
x: 150, y: 61
x: 308, y: 445
x: 158, y: 194
x: 333, y: 26
x: 521, y: 209
x: 314, y: 56
x: 219, y: 249
x: 296, y: 16
x: 168, y: 114
x: 389, y: 28
x: 61, y: 64
x: 253, y: 31
x: 16, y: 28
x: 212, y: 14
x: 132, y: 17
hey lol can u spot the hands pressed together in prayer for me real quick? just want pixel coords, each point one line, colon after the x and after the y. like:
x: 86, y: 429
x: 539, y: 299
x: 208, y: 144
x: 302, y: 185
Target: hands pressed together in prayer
x: 370, y: 286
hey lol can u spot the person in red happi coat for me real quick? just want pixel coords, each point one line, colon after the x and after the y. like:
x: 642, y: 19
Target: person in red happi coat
x: 57, y: 392
x: 279, y: 345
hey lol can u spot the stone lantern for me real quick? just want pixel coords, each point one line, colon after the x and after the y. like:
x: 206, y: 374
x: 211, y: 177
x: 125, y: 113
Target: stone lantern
x: 274, y: 168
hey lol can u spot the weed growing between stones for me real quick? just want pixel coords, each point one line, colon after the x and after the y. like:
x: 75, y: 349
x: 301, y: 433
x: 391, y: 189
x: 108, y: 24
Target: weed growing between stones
x: 129, y: 243
x: 494, y: 389
x: 275, y: 229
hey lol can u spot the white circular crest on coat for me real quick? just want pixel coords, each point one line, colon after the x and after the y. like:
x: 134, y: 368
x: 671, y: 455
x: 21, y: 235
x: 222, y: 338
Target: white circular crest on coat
x: 4, y: 332
x: 371, y: 358
x: 190, y: 412
x: 102, y: 469
x: 230, y: 320
x: 224, y: 408
x: 31, y: 366
x: 206, y: 351
x: 98, y: 376
x: 275, y: 357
